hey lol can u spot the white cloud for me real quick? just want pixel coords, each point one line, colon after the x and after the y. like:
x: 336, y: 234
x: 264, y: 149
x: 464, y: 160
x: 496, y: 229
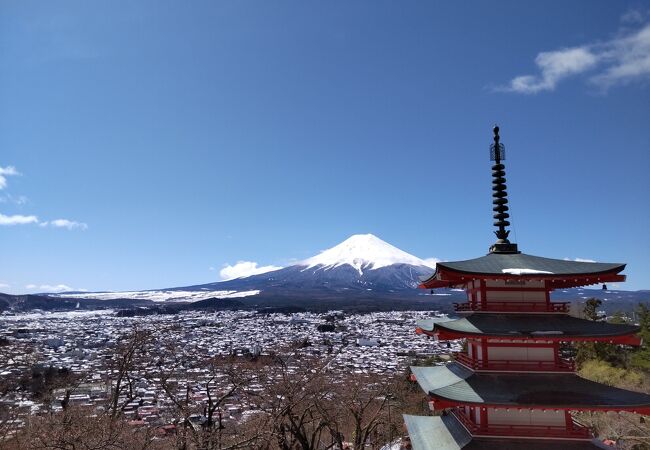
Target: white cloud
x: 17, y: 219
x: 579, y: 259
x: 4, y: 173
x: 49, y: 287
x: 8, y: 198
x: 635, y: 16
x: 4, y: 285
x: 620, y: 60
x: 554, y: 66
x: 65, y: 223
x: 244, y: 269
x: 55, y: 288
x: 627, y: 58
x: 431, y: 262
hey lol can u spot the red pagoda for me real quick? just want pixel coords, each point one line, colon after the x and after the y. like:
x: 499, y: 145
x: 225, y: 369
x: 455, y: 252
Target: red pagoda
x: 511, y: 388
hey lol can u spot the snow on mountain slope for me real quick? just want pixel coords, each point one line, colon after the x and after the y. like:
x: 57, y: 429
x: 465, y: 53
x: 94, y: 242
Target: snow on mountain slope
x: 363, y: 252
x: 160, y: 296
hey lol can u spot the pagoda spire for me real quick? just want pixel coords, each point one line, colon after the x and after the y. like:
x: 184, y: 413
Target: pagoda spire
x: 500, y: 195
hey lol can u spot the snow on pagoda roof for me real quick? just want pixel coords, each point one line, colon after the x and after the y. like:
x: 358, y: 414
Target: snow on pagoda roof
x: 524, y: 264
x: 446, y: 433
x: 455, y: 384
x: 528, y: 326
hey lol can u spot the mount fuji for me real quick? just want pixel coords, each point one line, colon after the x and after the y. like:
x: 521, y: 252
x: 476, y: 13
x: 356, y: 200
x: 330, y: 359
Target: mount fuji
x: 361, y: 263
x: 363, y: 268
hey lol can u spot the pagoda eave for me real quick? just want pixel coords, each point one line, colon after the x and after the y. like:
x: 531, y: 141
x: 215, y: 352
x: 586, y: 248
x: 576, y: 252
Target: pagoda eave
x: 448, y: 433
x: 448, y: 279
x: 455, y: 384
x: 447, y: 335
x: 530, y: 328
x: 441, y: 403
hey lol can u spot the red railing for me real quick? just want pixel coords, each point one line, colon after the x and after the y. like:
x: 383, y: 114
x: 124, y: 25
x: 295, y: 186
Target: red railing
x: 577, y: 430
x: 562, y: 307
x: 563, y: 365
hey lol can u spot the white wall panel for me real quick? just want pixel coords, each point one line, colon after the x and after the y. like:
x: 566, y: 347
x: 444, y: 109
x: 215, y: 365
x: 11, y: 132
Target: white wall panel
x: 525, y: 417
x: 516, y: 296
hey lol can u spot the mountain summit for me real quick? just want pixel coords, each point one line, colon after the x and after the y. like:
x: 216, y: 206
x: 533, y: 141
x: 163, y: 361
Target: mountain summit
x: 363, y: 252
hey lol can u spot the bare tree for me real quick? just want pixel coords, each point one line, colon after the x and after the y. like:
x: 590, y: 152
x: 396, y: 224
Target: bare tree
x: 130, y: 356
x: 78, y: 428
x: 198, y: 397
x: 296, y: 387
x: 364, y: 402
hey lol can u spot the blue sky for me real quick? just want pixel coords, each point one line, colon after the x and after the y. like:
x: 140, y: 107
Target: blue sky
x: 150, y: 145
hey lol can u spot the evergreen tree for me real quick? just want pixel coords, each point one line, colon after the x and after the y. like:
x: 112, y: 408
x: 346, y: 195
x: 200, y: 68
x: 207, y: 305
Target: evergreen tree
x: 590, y: 310
x: 641, y: 357
x: 586, y: 351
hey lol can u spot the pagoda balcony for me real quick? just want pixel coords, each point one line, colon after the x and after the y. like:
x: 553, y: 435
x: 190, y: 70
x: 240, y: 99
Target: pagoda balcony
x: 576, y: 430
x: 562, y: 365
x: 529, y: 307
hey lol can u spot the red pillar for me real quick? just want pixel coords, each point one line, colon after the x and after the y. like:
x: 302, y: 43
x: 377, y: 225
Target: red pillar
x: 568, y: 420
x: 483, y: 295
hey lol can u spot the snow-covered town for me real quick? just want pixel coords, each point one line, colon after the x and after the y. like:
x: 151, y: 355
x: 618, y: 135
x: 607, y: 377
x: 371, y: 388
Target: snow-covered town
x: 83, y: 342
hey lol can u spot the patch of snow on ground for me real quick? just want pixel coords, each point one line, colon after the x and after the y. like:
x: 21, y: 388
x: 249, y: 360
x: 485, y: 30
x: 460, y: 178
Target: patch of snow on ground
x: 161, y: 296
x: 58, y: 315
x: 395, y: 445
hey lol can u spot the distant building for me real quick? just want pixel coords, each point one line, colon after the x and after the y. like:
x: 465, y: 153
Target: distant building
x: 54, y: 342
x: 256, y: 350
x: 366, y: 342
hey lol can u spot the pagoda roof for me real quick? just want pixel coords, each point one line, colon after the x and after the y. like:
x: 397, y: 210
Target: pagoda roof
x: 538, y: 326
x: 454, y: 384
x: 447, y: 433
x: 521, y: 265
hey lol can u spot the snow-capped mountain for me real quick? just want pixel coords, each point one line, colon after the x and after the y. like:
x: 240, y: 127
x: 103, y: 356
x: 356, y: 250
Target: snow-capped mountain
x: 363, y: 252
x: 362, y: 264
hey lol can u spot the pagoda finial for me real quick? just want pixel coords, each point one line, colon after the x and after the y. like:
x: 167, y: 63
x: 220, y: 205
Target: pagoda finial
x: 500, y: 202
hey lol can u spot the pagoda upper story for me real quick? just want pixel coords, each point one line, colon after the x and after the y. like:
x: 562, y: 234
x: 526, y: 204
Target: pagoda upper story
x: 537, y: 271
x: 506, y: 280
